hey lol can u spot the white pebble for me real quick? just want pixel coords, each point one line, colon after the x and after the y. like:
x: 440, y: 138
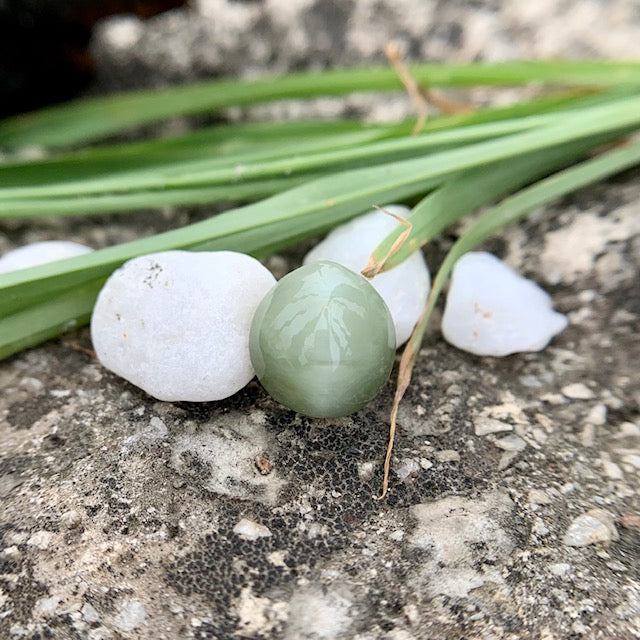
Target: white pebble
x: 512, y: 442
x: 577, y: 391
x: 612, y: 470
x: 539, y: 496
x: 131, y: 615
x: 596, y: 525
x: 37, y: 253
x: 493, y: 311
x: 404, y: 288
x: 176, y: 323
x: 448, y: 455
x: 89, y: 613
x: 70, y: 519
x: 250, y: 530
x: 40, y: 540
x: 483, y: 425
x: 408, y: 467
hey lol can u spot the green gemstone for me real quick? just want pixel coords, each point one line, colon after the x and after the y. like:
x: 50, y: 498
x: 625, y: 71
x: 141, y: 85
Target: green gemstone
x: 322, y: 341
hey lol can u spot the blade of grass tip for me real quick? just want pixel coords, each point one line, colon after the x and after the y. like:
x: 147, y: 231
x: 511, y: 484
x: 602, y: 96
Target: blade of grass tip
x: 509, y: 211
x: 298, y: 158
x: 91, y: 119
x: 374, y: 266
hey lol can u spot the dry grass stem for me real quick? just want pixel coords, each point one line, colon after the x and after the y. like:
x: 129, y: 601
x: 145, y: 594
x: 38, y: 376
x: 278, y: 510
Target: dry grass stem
x: 374, y: 266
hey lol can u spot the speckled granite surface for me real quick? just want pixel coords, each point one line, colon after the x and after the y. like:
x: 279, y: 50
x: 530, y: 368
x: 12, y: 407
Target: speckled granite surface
x: 122, y: 517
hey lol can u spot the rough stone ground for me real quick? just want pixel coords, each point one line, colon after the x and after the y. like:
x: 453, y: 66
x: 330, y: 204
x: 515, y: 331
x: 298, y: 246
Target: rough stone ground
x: 513, y: 510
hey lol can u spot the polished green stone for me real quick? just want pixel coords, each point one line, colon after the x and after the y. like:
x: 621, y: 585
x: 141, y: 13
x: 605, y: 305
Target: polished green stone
x: 322, y: 341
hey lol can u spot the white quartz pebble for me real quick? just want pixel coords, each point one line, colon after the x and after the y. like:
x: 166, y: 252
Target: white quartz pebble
x: 39, y: 253
x: 493, y: 311
x: 404, y: 288
x: 176, y: 323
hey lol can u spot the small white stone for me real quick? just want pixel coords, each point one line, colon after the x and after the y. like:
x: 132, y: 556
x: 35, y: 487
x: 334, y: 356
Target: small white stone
x: 539, y: 435
x: 560, y: 569
x: 366, y: 470
x: 493, y: 311
x: 539, y: 496
x: 250, y: 530
x: 426, y: 464
x: 511, y: 442
x: 597, y: 415
x: 633, y: 459
x: 578, y: 391
x: 594, y: 526
x: 404, y: 288
x: 70, y: 519
x: 37, y: 253
x: 176, y: 323
x: 448, y: 455
x: 89, y: 613
x: 540, y: 528
x: 579, y: 628
x: 40, y: 540
x: 483, y: 425
x: 613, y: 471
x: 588, y: 435
x: 47, y: 606
x: 132, y: 614
x: 506, y: 459
x: 408, y: 467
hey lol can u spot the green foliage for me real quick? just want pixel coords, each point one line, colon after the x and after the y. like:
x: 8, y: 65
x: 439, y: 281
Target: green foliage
x: 301, y: 178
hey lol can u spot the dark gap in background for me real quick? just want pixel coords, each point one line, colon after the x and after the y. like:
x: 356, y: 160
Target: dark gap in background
x: 44, y: 56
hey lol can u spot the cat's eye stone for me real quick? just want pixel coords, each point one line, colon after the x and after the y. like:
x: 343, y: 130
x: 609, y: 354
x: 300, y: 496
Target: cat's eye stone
x: 322, y: 341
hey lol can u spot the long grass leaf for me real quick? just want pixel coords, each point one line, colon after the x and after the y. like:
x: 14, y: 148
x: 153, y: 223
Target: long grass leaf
x: 90, y: 119
x: 301, y: 157
x: 57, y: 315
x: 247, y: 191
x: 62, y: 177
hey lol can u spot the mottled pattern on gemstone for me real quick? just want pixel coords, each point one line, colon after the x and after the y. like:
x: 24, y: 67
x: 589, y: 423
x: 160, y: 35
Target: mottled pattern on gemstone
x: 322, y: 341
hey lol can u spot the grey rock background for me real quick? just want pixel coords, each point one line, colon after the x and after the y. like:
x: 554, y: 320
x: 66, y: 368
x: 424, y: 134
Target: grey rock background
x: 513, y: 510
